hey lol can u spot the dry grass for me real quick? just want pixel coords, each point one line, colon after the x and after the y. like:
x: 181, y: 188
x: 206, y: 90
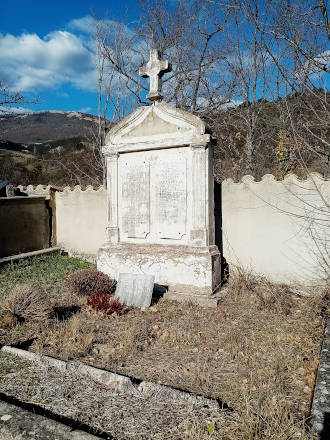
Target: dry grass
x: 28, y: 302
x: 257, y: 352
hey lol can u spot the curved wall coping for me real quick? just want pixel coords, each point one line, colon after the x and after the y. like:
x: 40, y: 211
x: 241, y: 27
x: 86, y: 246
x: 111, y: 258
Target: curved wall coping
x: 46, y: 188
x: 270, y: 178
x: 267, y: 178
x: 78, y: 188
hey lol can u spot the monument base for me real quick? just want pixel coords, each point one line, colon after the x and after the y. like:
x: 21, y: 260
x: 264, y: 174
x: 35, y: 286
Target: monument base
x: 187, y: 270
x: 202, y: 300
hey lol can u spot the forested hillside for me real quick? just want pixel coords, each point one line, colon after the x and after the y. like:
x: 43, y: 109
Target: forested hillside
x: 285, y: 136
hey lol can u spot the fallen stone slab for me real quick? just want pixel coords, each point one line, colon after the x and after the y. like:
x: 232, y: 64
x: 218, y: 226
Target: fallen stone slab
x: 16, y: 257
x: 34, y: 357
x: 202, y: 300
x: 165, y: 393
x: 115, y: 381
x: 135, y: 289
x: 118, y: 382
x: 104, y: 408
x: 19, y: 424
x: 321, y: 400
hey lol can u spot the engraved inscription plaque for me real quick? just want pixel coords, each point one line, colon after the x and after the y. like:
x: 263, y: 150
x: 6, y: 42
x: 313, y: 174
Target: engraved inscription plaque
x: 135, y: 289
x: 135, y: 199
x: 170, y: 192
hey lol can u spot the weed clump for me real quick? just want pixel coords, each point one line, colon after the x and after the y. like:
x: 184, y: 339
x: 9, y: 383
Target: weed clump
x: 29, y: 302
x: 102, y: 302
x: 87, y: 281
x: 277, y: 297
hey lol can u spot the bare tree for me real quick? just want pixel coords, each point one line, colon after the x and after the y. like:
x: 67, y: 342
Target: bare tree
x: 280, y: 63
x: 9, y: 98
x: 190, y: 35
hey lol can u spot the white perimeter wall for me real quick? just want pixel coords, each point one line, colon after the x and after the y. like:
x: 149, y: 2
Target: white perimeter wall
x: 81, y: 219
x: 278, y: 229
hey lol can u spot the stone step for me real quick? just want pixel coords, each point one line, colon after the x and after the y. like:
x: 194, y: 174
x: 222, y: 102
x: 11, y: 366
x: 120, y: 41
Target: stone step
x: 203, y: 300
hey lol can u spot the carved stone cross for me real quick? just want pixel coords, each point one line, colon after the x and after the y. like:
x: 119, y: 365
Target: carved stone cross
x: 154, y: 69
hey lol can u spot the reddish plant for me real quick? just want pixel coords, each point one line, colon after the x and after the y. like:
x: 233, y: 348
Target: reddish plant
x: 114, y: 306
x: 104, y: 303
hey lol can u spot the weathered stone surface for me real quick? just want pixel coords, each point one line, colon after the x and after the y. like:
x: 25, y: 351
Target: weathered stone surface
x: 155, y: 127
x: 28, y: 355
x: 135, y: 192
x: 19, y: 424
x: 154, y: 69
x: 202, y: 300
x: 117, y: 382
x: 155, y: 225
x: 184, y: 269
x: 113, y: 380
x: 171, y: 395
x: 161, y: 196
x: 135, y: 289
x: 321, y: 400
x: 170, y: 200
x: 147, y: 411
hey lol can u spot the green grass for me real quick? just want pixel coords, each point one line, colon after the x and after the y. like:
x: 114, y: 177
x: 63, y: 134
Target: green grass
x: 47, y: 271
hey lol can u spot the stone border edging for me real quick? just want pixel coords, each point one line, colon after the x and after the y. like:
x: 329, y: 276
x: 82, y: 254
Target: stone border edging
x: 15, y: 419
x: 320, y: 411
x: 29, y: 254
x: 117, y: 382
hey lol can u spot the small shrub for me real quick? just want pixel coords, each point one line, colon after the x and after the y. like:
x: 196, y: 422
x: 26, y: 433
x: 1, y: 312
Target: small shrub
x: 102, y: 302
x: 269, y: 295
x: 29, y: 302
x: 85, y: 282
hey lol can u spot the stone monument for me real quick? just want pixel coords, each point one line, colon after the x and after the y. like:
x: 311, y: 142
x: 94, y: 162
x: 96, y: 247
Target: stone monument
x: 161, y: 198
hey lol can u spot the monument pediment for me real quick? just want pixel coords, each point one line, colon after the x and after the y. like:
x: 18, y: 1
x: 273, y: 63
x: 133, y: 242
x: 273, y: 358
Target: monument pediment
x: 157, y: 125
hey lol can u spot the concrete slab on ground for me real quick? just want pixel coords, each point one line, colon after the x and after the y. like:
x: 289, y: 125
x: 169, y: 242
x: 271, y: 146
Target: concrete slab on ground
x: 19, y: 424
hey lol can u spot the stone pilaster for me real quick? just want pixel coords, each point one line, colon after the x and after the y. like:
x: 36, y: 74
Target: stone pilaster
x: 112, y: 231
x: 199, y: 221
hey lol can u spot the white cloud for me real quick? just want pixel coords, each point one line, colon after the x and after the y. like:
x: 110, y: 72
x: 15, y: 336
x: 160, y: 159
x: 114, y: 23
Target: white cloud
x: 29, y: 62
x: 84, y: 24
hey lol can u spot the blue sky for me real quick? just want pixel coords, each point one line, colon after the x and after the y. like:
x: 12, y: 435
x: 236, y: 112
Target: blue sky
x: 46, y: 50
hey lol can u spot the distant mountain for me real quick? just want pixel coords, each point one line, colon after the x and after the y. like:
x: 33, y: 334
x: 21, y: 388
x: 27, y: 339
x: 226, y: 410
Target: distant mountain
x: 28, y: 128
x: 50, y: 146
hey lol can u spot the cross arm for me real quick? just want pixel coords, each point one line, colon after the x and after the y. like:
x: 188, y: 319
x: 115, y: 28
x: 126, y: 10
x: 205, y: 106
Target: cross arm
x: 165, y: 67
x: 143, y: 72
